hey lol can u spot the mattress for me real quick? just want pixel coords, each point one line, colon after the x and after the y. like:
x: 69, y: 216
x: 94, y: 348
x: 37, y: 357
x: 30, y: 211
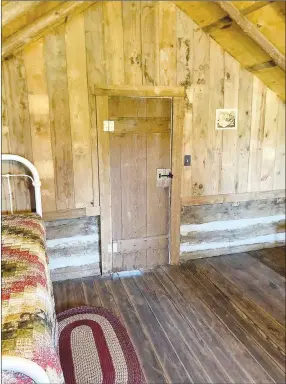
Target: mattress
x: 29, y: 327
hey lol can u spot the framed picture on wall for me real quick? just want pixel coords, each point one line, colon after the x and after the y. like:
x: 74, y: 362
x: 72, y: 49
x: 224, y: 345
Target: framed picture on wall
x: 226, y: 119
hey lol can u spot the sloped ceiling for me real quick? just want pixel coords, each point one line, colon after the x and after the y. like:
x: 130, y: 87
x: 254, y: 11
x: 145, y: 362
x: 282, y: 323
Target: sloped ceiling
x: 253, y: 32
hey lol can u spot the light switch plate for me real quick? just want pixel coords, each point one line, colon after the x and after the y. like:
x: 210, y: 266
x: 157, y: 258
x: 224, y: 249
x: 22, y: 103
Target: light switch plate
x: 187, y: 160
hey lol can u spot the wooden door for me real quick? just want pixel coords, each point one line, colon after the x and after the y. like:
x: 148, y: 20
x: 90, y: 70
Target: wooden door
x: 140, y: 209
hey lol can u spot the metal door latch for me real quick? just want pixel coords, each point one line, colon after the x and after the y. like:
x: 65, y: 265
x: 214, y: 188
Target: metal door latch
x: 170, y: 175
x: 164, y: 177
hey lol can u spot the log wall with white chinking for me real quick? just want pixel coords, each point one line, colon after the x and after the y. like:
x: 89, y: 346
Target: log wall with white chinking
x: 50, y: 111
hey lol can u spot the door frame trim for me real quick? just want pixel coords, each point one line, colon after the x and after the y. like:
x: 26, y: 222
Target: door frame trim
x: 178, y: 114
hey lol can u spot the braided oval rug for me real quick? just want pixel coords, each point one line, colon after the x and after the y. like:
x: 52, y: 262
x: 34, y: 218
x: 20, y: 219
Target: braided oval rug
x: 94, y: 347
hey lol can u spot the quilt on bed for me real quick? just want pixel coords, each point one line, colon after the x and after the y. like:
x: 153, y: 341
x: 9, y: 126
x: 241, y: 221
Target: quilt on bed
x: 29, y: 327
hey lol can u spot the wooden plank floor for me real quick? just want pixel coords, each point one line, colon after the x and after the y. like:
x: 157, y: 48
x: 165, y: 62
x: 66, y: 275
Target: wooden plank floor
x: 216, y: 320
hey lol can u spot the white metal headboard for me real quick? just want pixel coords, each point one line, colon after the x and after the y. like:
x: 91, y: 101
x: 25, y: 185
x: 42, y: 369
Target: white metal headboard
x: 35, y: 179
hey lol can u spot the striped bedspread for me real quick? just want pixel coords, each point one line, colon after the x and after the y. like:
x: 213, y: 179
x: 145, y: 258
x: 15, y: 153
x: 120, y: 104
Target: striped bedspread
x: 29, y: 328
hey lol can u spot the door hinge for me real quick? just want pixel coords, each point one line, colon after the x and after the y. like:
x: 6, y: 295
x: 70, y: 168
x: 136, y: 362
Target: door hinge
x: 108, y: 126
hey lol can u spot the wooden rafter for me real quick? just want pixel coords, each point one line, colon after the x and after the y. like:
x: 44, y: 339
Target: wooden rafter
x: 253, y: 32
x: 15, y: 9
x: 42, y: 25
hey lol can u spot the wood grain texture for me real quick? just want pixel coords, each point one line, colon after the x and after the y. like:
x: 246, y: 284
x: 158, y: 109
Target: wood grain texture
x: 79, y: 111
x: 96, y: 73
x: 39, y: 111
x: 255, y: 34
x: 114, y: 51
x: 167, y: 19
x: 177, y: 139
x: 14, y: 76
x: 187, y: 347
x: 269, y: 142
x: 200, y: 112
x: 279, y: 171
x: 171, y: 363
x: 185, y: 64
x: 243, y: 130
x: 253, y: 347
x: 158, y: 157
x: 216, y: 101
x: 229, y: 137
x: 105, y: 186
x: 116, y: 143
x: 139, y: 91
x: 6, y: 166
x: 41, y: 26
x: 28, y: 16
x: 274, y: 259
x: 148, y: 49
x: 198, y: 214
x: 141, y: 125
x: 190, y: 321
x: 14, y: 10
x: 140, y: 144
x: 251, y: 351
x: 131, y: 15
x: 133, y: 184
x: 150, y: 43
x: 256, y: 135
x: 272, y: 23
x: 56, y: 69
x: 235, y: 197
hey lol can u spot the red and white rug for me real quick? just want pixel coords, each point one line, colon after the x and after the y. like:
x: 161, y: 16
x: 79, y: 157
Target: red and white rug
x: 94, y: 347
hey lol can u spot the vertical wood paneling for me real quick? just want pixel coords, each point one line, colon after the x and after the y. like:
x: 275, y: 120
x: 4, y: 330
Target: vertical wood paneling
x: 79, y: 111
x: 51, y: 113
x: 257, y: 133
x: 94, y: 44
x: 176, y: 190
x: 216, y: 100
x: 200, y: 112
x: 132, y: 42
x: 229, y: 137
x: 96, y: 74
x: 279, y: 174
x: 185, y: 62
x: 105, y: 188
x: 185, y: 51
x: 158, y: 156
x: 133, y: 182
x: 243, y: 130
x: 269, y: 141
x: 149, y: 37
x: 40, y: 121
x: 14, y: 77
x: 56, y: 68
x: 113, y: 39
x: 5, y: 149
x: 167, y: 43
x: 116, y: 142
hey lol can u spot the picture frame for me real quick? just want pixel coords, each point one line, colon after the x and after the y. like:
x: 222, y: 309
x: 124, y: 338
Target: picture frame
x: 226, y: 119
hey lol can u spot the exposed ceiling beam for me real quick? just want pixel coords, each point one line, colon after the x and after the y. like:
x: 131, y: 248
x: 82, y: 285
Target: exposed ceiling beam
x: 27, y: 18
x: 15, y: 9
x: 253, y: 7
x: 41, y: 26
x: 253, y: 32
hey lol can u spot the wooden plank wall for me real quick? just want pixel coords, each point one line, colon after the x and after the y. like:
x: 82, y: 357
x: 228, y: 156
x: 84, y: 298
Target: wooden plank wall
x: 51, y: 116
